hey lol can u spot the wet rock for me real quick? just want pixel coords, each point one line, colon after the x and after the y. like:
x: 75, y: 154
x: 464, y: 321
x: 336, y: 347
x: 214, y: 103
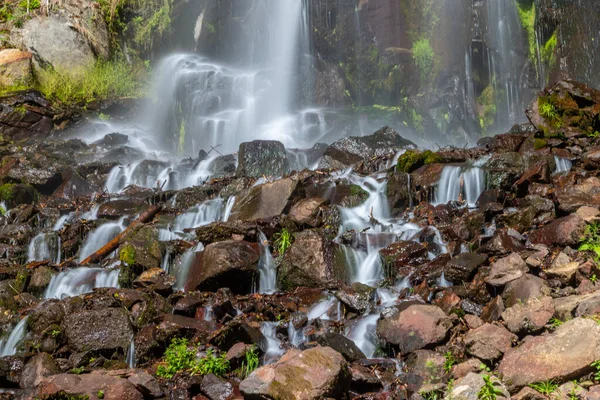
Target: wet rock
x: 16, y: 194
x: 489, y: 342
x: 262, y: 158
x: 342, y: 345
x: 351, y: 150
x: 37, y: 368
x: 468, y: 388
x: 507, y: 142
x: 155, y: 279
x: 563, y: 355
x: 363, y: 380
x: 10, y: 370
x: 429, y: 365
x: 25, y: 114
x: 15, y: 68
x: 40, y: 279
x: 264, y: 201
x: 315, y: 373
x: 503, y: 242
x: 526, y: 287
x: 105, y: 329
x: 566, y: 231
x: 112, y: 388
x: 306, y: 211
x: 571, y: 197
x: 529, y: 317
x: 115, y: 209
x: 146, y: 384
x: 504, y: 169
x: 492, y: 310
x: 216, y: 388
x: 397, y: 256
x: 399, y: 192
x: 414, y: 326
x: 311, y: 261
x: 506, y: 269
x: 358, y: 297
x: 577, y: 305
x: 238, y: 331
x: 224, y: 166
x: 231, y: 263
x: 462, y: 268
x: 73, y: 186
x: 113, y: 139
x: 141, y: 248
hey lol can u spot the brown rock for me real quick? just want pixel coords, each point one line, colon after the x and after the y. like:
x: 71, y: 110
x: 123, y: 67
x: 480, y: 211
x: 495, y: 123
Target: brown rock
x: 489, y: 342
x: 566, y: 231
x: 15, y: 68
x: 37, y: 369
x: 524, y: 288
x: 530, y: 316
x: 306, y: 210
x: 264, y: 201
x: 113, y: 388
x: 506, y: 269
x: 492, y: 310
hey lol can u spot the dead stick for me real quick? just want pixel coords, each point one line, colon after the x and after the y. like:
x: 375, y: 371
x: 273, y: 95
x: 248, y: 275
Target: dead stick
x: 146, y: 216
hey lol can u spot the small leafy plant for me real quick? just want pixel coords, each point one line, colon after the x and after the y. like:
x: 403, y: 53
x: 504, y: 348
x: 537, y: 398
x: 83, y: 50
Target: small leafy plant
x: 283, y: 241
x: 180, y: 356
x: 249, y: 364
x: 449, y: 362
x: 489, y: 391
x: 211, y: 364
x: 546, y: 387
x: 591, y: 239
x: 78, y: 370
x: 555, y: 323
x: 548, y: 111
x: 593, y: 279
x: 596, y: 364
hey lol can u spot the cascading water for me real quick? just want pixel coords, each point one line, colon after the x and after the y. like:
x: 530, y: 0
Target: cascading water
x: 187, y: 260
x: 100, y: 237
x: 562, y: 165
x: 464, y: 183
x: 203, y: 214
x: 14, y: 339
x: 266, y: 267
x: 273, y: 344
x: 80, y: 281
x: 45, y: 246
x: 131, y: 354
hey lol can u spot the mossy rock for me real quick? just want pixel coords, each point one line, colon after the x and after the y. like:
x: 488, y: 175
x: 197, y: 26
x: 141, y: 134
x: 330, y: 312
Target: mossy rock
x: 415, y: 159
x: 14, y: 194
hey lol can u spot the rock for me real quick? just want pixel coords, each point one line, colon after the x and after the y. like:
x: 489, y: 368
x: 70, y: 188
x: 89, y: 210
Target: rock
x: 429, y: 365
x: 358, y: 297
x: 413, y: 327
x: 17, y: 194
x: 262, y: 158
x: 489, y: 342
x: 216, y: 388
x: 15, y: 68
x: 492, y: 310
x: 528, y: 393
x: 155, y: 279
x: 342, y: 345
x: 462, y: 268
x: 104, y: 329
x: 537, y: 258
x: 566, y: 231
x: 350, y: 150
x: 40, y: 279
x: 238, y: 331
x: 572, y: 197
x: 306, y: 211
x: 264, y: 201
x: 232, y: 264
x: 399, y: 192
x: 526, y: 287
x: 506, y: 269
x: 562, y: 355
x: 565, y: 272
x: 464, y: 368
x: 37, y: 368
x: 315, y: 373
x: 141, y: 248
x: 529, y: 317
x: 588, y: 214
x: 397, y: 256
x: 577, y: 305
x: 112, y: 388
x: 468, y: 388
x: 25, y: 114
x: 146, y: 384
x: 74, y: 185
x: 311, y: 261
x: 363, y: 380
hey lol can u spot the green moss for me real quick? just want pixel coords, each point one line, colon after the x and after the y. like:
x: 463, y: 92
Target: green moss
x: 539, y: 143
x: 7, y: 192
x: 423, y: 57
x: 549, y: 50
x: 526, y: 9
x: 487, y: 108
x: 414, y: 159
x: 127, y: 255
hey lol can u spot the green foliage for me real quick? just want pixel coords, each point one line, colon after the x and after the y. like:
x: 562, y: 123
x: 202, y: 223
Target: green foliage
x: 548, y: 111
x: 100, y: 394
x: 78, y: 370
x: 555, y: 323
x: 181, y: 357
x: 488, y: 391
x: 103, y: 80
x: 596, y: 365
x: 29, y: 5
x: 103, y: 117
x: 7, y: 191
x: 2, y: 210
x: 591, y: 240
x: 423, y: 57
x: 539, y: 143
x: 593, y: 279
x: 487, y: 108
x: 55, y: 332
x: 412, y: 160
x: 449, y: 362
x: 527, y: 17
x: 283, y: 241
x: 546, y: 387
x: 549, y: 50
x: 432, y: 395
x: 127, y: 255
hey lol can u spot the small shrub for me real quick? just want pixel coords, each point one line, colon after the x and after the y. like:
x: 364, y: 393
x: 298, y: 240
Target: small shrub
x: 211, y: 364
x: 449, y: 362
x: 249, y: 364
x: 412, y: 160
x: 179, y: 356
x: 591, y: 239
x: 77, y: 371
x: 555, y: 323
x: 596, y: 364
x: 423, y: 56
x: 283, y: 241
x: 548, y: 111
x: 489, y: 391
x: 546, y: 387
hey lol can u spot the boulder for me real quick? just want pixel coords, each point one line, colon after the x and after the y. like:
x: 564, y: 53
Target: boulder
x: 216, y: 388
x: 316, y: 373
x: 506, y: 269
x: 342, y: 345
x: 462, y: 268
x: 358, y: 297
x: 526, y: 287
x: 572, y: 197
x: 146, y: 384
x: 25, y: 114
x: 351, y: 150
x: 489, y: 342
x: 37, y: 369
x: 577, y: 305
x: 429, y: 365
x: 306, y: 211
x: 90, y: 385
x: 104, y: 329
x: 15, y: 68
x: 264, y: 201
x: 468, y: 388
x: 566, y: 231
x: 399, y: 192
x: 262, y: 158
x: 530, y: 316
x: 141, y: 247
x: 311, y: 261
x: 232, y: 264
x: 414, y: 326
x: 562, y: 355
x: 397, y: 256
x: 563, y: 272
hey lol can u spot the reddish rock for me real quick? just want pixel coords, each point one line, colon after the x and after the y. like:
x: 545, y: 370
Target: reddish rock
x: 566, y: 231
x: 524, y: 288
x: 401, y: 254
x: 489, y: 342
x: 306, y: 211
x: 530, y: 316
x: 506, y: 269
x: 111, y: 387
x: 492, y: 310
x: 462, y: 268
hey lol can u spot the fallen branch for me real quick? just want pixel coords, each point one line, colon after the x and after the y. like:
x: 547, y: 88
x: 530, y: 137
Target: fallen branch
x: 111, y: 246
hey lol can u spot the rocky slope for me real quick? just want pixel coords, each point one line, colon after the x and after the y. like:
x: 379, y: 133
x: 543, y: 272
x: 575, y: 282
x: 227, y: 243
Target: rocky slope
x: 458, y: 273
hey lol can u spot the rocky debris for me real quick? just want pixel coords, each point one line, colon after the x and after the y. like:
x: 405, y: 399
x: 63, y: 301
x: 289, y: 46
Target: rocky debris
x: 315, y: 373
x: 306, y: 212
x: 489, y: 342
x: 562, y: 355
x: 15, y: 67
x: 530, y: 316
x: 91, y: 385
x: 506, y: 270
x: 352, y: 150
x: 398, y: 257
x: 413, y: 326
x: 264, y: 201
x: 469, y: 387
x: 342, y: 345
x: 37, y: 369
x: 566, y: 231
x: 462, y: 268
x: 262, y: 158
x: 104, y: 329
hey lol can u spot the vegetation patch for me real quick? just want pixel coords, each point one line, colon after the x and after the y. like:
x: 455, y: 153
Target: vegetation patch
x: 283, y: 241
x: 412, y: 160
x: 7, y: 191
x: 526, y: 9
x: 423, y: 57
x: 181, y: 357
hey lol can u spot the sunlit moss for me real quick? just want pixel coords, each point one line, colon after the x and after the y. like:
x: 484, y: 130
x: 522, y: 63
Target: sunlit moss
x: 527, y: 17
x: 548, y: 52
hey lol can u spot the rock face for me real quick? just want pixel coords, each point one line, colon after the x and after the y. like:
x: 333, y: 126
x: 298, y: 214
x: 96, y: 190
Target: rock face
x: 232, y: 264
x: 413, y: 327
x: 25, y: 114
x: 468, y: 388
x: 530, y: 316
x: 351, y: 150
x: 105, y: 329
x: 311, y: 261
x: 262, y: 158
x: 315, y: 373
x: 564, y: 354
x: 15, y: 67
x: 566, y: 231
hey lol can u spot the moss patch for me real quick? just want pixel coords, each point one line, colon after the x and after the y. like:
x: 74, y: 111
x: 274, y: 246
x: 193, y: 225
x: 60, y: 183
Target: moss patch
x: 526, y: 9
x: 127, y: 255
x: 7, y: 192
x: 414, y: 159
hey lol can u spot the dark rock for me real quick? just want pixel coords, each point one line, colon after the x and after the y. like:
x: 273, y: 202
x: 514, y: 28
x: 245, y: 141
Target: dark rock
x: 397, y: 256
x: 566, y: 231
x: 462, y: 268
x: 239, y: 331
x: 506, y: 269
x: 342, y: 345
x: 146, y: 384
x: 113, y: 139
x: 358, y: 297
x: 37, y: 368
x: 36, y: 121
x: 104, y: 329
x: 399, y: 192
x: 264, y: 201
x: 262, y: 158
x: 571, y: 197
x: 216, y: 388
x: 492, y: 310
x: 526, y: 287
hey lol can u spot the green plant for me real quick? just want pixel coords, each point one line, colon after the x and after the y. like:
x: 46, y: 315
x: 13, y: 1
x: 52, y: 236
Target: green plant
x: 100, y: 394
x: 546, y: 387
x: 449, y: 362
x: 548, y: 111
x: 179, y: 356
x: 431, y: 394
x: 283, y: 241
x: 591, y: 239
x: 596, y: 364
x: 593, y: 279
x: 249, y: 364
x: 573, y: 395
x: 423, y: 57
x: 78, y: 370
x: 555, y: 323
x: 55, y: 332
x: 211, y: 364
x: 27, y: 5
x: 489, y: 391
x: 103, y: 117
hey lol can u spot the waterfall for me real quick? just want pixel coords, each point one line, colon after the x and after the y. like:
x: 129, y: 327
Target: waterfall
x: 442, y: 282
x: 187, y: 261
x: 461, y: 182
x: 273, y: 350
x: 364, y: 336
x: 131, y: 354
x: 14, y: 339
x: 80, y: 281
x: 201, y: 215
x: 266, y: 267
x: 228, y: 208
x: 562, y: 164
x: 100, y: 237
x: 45, y: 246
